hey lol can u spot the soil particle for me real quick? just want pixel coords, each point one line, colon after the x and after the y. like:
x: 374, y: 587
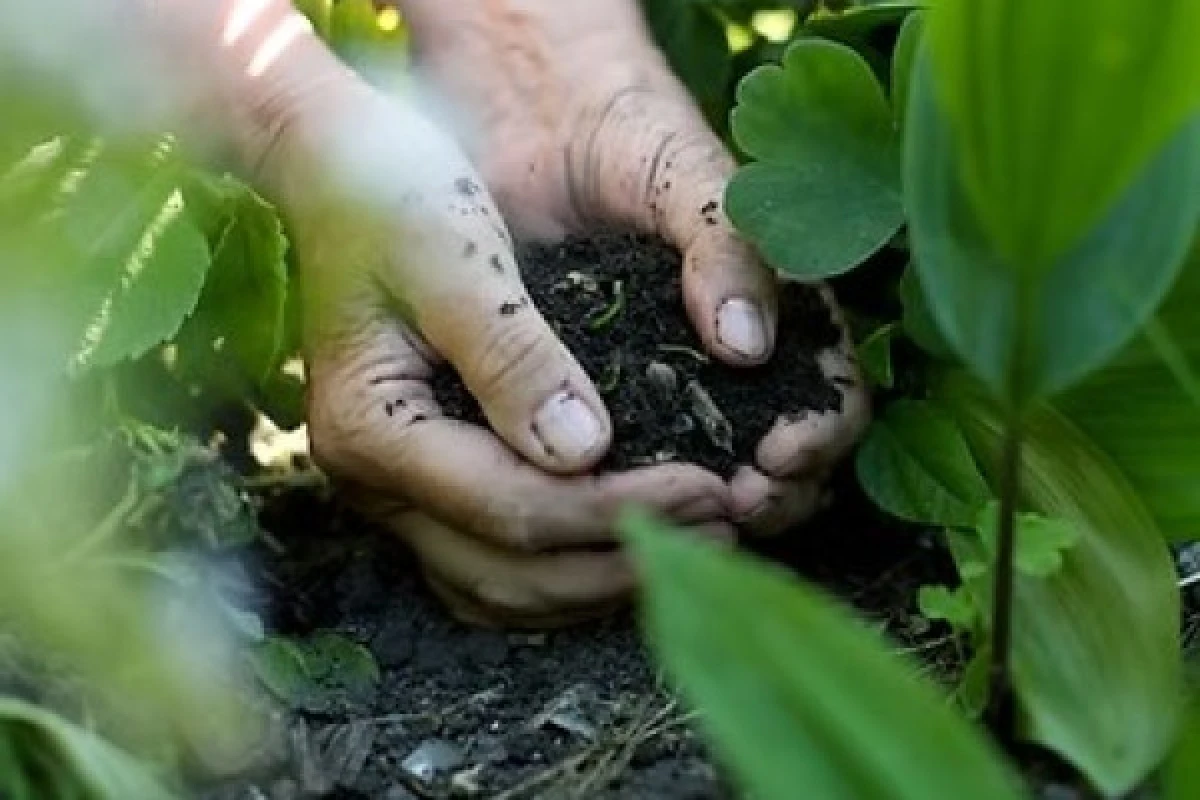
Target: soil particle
x: 616, y: 302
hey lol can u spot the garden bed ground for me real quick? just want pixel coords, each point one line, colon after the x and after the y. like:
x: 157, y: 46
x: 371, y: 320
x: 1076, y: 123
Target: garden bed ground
x: 573, y: 713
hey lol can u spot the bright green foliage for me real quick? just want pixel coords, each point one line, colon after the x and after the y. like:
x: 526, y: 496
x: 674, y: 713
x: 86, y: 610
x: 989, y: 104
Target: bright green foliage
x: 43, y: 756
x: 310, y: 674
x: 954, y: 606
x: 133, y: 260
x: 796, y: 694
x: 824, y: 191
x: 1056, y: 107
x: 915, y: 465
x: 875, y: 356
x: 1041, y: 540
x: 1029, y: 335
x: 241, y: 314
x: 1143, y: 410
x: 917, y: 319
x: 1096, y: 655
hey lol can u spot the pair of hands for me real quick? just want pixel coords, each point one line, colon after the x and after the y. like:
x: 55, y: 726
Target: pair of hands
x: 573, y: 121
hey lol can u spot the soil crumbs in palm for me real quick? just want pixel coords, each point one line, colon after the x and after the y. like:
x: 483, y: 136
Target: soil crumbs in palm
x: 615, y: 300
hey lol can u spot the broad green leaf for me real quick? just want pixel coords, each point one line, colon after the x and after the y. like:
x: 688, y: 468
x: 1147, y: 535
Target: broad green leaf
x: 1041, y: 540
x: 1182, y: 776
x: 954, y: 606
x: 794, y: 691
x: 39, y: 748
x: 1105, y: 625
x: 1057, y: 107
x: 824, y: 193
x: 915, y: 464
x: 875, y: 355
x: 356, y: 35
x: 1145, y: 415
x: 1029, y: 336
x: 693, y: 39
x: 235, y: 337
x: 903, y: 57
x: 918, y: 320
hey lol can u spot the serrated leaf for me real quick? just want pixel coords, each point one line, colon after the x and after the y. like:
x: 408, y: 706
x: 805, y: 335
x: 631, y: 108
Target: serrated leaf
x: 953, y: 606
x: 141, y: 260
x: 1040, y: 540
x: 1031, y: 335
x: 1050, y: 109
x: 824, y: 193
x: 235, y: 337
x: 39, y: 748
x: 794, y: 691
x: 1104, y: 625
x: 915, y: 464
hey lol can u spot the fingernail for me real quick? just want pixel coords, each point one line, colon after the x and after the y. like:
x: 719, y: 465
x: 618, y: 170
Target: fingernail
x: 741, y: 328
x: 567, y: 427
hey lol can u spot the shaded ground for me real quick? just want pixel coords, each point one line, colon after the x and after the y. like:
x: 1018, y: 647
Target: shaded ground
x: 567, y: 714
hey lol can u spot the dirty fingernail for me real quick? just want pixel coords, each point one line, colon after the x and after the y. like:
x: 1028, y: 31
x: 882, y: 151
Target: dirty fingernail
x: 741, y: 328
x: 567, y: 427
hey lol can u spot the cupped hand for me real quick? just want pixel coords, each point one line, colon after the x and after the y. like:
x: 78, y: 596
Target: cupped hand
x: 405, y: 261
x: 576, y: 122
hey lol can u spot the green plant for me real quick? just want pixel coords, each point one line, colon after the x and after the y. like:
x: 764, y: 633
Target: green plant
x: 1041, y: 403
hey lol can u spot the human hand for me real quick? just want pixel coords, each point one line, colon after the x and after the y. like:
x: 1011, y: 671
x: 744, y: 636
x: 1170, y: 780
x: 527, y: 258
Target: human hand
x: 405, y: 261
x: 576, y: 122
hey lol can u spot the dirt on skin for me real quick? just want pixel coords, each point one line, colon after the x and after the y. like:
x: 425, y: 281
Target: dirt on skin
x: 615, y: 301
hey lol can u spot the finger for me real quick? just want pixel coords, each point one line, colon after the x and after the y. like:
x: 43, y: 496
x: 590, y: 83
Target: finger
x: 766, y: 506
x: 470, y: 612
x: 440, y: 257
x: 374, y: 422
x: 810, y: 443
x: 512, y: 585
x: 652, y: 162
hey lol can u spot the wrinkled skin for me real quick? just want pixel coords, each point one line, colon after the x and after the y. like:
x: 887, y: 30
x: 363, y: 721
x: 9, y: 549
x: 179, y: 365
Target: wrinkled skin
x: 571, y: 119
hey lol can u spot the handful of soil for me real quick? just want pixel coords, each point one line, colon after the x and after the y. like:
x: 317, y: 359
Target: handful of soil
x: 615, y: 301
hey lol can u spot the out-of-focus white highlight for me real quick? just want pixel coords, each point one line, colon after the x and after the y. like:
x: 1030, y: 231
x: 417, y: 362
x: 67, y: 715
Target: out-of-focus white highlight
x: 277, y: 42
x: 241, y: 17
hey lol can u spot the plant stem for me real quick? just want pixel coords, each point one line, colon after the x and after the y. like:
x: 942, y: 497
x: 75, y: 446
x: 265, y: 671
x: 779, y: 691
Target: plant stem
x: 1002, y: 708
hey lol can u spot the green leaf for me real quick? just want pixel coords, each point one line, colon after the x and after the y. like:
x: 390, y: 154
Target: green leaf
x: 794, y: 691
x: 693, y: 39
x: 915, y: 464
x: 1182, y: 778
x: 38, y: 747
x: 875, y: 355
x: 235, y: 337
x: 903, y: 57
x: 128, y: 262
x: 310, y: 674
x: 1050, y: 108
x: 864, y: 28
x: 1029, y: 336
x: 1145, y: 415
x: 1041, y: 540
x: 953, y: 606
x: 918, y: 320
x: 824, y: 193
x: 1105, y: 625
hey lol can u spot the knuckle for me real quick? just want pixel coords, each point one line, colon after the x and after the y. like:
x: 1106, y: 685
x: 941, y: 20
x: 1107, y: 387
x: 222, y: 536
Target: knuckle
x: 513, y: 355
x: 503, y: 595
x: 507, y: 521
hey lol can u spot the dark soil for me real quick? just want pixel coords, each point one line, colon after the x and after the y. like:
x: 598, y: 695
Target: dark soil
x: 576, y: 713
x: 615, y: 301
